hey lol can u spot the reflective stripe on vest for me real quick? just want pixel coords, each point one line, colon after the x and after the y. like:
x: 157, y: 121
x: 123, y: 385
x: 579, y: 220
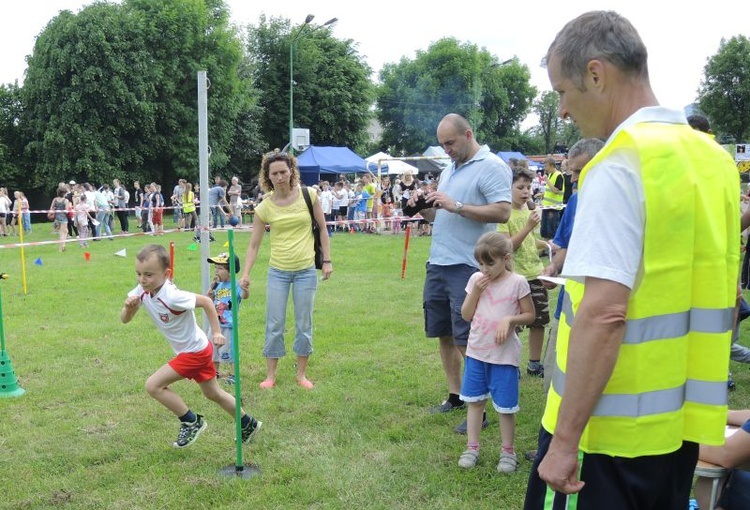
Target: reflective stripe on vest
x: 673, y: 325
x: 653, y: 402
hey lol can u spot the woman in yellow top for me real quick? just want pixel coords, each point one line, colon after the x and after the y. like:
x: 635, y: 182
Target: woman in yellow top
x: 292, y: 261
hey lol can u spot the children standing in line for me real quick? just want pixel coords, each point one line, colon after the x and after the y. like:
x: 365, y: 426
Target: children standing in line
x: 497, y: 300
x: 221, y: 293
x: 173, y: 313
x: 520, y: 228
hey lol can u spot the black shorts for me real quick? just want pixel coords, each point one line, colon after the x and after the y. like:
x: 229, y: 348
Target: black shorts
x: 343, y: 210
x: 617, y: 483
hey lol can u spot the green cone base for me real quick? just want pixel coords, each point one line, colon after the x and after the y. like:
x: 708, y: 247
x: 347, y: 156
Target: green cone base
x: 8, y: 382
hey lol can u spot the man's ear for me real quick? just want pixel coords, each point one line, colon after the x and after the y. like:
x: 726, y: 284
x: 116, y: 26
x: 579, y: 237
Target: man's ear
x: 596, y: 73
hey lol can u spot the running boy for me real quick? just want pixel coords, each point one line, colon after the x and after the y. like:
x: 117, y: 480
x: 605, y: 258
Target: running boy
x: 173, y: 312
x: 520, y: 228
x: 221, y: 293
x: 497, y: 300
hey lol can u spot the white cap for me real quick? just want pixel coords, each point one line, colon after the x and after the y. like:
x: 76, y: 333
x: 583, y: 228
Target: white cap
x: 72, y: 182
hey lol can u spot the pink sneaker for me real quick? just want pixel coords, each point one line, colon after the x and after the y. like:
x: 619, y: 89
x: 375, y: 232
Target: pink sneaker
x: 306, y: 383
x: 268, y: 383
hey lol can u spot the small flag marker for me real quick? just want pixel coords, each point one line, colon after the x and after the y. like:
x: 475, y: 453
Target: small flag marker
x: 193, y: 247
x: 38, y: 261
x: 122, y: 253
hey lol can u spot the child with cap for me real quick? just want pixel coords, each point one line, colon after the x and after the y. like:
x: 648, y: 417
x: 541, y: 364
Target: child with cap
x: 221, y: 293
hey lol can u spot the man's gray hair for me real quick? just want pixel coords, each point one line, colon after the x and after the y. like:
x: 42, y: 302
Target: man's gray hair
x: 588, y: 146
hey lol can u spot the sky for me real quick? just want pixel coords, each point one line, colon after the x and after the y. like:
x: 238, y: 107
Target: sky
x: 679, y: 38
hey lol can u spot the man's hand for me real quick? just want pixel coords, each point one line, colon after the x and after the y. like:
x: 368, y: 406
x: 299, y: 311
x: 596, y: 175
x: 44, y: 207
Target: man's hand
x: 441, y: 200
x: 559, y: 468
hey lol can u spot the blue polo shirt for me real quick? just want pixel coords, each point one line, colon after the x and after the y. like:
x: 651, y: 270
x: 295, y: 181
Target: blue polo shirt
x: 562, y: 238
x: 484, y: 179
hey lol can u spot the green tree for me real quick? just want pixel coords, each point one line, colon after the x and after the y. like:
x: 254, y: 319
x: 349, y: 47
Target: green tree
x: 112, y: 91
x: 452, y: 77
x: 11, y: 137
x: 724, y: 93
x: 506, y: 98
x: 332, y: 90
x: 552, y: 130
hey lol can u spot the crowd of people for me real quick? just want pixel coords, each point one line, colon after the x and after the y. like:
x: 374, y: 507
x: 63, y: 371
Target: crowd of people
x: 14, y: 213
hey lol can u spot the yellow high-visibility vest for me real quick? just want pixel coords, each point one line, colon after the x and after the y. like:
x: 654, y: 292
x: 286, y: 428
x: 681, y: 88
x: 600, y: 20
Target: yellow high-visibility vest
x: 669, y: 383
x: 552, y: 198
x: 188, y: 205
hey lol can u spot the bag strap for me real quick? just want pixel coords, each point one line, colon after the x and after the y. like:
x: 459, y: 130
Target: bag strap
x: 306, y: 196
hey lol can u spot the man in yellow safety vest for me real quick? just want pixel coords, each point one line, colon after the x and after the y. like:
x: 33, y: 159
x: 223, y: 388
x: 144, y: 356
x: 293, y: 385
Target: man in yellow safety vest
x: 643, y: 342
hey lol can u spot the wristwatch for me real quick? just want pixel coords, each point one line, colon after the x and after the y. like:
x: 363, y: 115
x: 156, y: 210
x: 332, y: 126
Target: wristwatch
x: 459, y: 207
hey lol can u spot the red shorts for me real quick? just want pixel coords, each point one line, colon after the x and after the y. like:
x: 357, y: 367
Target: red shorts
x: 156, y: 217
x: 198, y: 366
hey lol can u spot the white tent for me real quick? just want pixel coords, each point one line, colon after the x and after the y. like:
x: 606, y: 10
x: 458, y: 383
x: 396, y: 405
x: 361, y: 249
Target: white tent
x: 389, y: 164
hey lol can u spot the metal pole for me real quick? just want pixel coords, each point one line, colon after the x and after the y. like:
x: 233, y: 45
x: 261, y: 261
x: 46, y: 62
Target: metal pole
x: 203, y: 167
x: 291, y: 95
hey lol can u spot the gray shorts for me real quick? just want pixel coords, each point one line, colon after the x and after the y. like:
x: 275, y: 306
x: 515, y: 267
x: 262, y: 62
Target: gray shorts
x: 443, y: 297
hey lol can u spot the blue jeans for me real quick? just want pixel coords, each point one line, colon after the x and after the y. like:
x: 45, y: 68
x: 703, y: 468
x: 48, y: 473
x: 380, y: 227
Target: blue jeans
x: 26, y: 221
x: 216, y: 214
x: 303, y: 284
x: 102, y: 216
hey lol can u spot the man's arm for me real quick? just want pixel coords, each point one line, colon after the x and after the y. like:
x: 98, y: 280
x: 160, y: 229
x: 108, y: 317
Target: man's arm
x: 593, y: 348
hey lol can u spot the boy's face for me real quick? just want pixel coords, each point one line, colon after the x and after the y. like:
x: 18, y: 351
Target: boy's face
x: 151, y: 275
x: 222, y: 272
x: 521, y: 192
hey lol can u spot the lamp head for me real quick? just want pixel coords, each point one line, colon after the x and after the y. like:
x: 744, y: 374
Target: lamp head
x: 309, y: 18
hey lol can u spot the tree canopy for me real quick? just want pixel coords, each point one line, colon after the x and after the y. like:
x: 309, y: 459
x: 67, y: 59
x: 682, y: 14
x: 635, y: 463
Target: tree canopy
x: 112, y: 91
x: 452, y: 77
x: 333, y: 93
x: 724, y: 93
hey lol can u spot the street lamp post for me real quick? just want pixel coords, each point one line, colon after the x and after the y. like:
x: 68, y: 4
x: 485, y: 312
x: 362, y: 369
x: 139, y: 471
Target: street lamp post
x: 296, y: 36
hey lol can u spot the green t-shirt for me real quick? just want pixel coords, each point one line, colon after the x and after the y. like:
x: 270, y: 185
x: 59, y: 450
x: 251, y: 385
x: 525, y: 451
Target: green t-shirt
x: 526, y: 261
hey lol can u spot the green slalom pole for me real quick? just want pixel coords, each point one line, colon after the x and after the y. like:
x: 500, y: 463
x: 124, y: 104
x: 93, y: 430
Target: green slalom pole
x: 8, y: 383
x: 239, y: 470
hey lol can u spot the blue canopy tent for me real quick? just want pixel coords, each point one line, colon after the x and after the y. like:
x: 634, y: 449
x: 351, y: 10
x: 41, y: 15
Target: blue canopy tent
x: 322, y: 162
x: 533, y: 165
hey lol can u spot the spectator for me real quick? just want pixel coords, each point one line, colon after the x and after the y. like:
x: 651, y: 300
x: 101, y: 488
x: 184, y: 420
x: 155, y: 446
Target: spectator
x: 122, y: 197
x: 59, y: 207
x: 215, y: 196
x: 5, y: 205
x: 472, y: 197
x: 291, y: 266
x: 734, y: 455
x: 235, y: 200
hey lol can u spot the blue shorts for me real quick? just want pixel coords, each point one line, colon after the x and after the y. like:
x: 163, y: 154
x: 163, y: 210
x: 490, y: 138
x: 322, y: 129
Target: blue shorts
x: 736, y: 493
x: 484, y: 380
x: 442, y: 299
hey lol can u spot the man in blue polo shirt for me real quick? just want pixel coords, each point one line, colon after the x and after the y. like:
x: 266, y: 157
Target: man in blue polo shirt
x: 472, y: 197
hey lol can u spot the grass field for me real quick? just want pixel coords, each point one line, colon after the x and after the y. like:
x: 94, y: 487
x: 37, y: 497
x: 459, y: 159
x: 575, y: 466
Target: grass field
x: 85, y: 435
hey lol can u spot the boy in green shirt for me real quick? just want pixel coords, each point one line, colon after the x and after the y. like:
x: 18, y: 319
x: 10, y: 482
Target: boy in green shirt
x: 522, y: 228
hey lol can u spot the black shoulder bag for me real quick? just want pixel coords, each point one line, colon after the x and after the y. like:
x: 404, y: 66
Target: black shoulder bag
x: 315, y: 230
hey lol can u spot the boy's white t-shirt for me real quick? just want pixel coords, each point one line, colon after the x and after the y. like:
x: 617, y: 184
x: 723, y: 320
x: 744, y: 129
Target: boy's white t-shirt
x: 500, y: 299
x: 173, y: 312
